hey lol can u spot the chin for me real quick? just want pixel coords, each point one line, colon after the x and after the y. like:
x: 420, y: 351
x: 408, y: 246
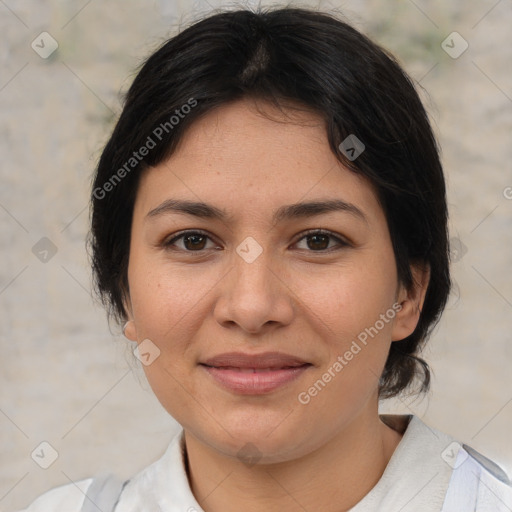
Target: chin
x: 256, y: 442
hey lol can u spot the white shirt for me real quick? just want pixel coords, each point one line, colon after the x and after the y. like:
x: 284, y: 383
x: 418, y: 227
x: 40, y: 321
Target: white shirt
x: 428, y: 472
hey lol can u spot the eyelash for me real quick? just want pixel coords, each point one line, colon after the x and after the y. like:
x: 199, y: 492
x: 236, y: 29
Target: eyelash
x: 341, y: 243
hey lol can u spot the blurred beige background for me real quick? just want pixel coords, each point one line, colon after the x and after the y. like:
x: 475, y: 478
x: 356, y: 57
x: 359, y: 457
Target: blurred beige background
x: 69, y: 381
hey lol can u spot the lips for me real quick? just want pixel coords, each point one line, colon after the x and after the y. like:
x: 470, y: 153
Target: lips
x: 264, y: 361
x: 254, y: 374
x: 251, y: 370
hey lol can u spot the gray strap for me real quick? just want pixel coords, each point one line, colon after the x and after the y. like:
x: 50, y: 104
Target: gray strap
x: 103, y: 494
x: 488, y: 464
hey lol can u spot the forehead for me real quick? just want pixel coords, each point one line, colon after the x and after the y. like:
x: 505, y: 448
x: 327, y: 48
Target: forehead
x: 253, y: 157
x: 254, y: 134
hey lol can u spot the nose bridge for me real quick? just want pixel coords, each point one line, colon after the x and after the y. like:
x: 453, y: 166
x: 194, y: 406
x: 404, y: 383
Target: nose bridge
x: 253, y: 272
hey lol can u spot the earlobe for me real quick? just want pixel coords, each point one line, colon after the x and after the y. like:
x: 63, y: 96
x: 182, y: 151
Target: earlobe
x: 411, y: 303
x: 129, y: 329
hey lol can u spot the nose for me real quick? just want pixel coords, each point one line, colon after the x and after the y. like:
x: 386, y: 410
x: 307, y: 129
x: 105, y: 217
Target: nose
x: 255, y: 295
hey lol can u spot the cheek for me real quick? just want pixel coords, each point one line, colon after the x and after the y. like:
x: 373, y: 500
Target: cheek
x: 357, y: 332
x: 167, y: 310
x: 348, y: 300
x: 165, y: 300
x: 357, y: 341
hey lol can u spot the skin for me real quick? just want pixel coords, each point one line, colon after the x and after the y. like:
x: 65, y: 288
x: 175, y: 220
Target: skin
x: 294, y: 298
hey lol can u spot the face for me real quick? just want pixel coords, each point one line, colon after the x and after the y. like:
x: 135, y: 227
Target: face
x: 288, y: 293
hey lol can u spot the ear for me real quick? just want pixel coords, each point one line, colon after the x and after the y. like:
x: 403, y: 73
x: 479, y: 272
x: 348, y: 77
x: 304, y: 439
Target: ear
x: 411, y: 302
x: 129, y: 329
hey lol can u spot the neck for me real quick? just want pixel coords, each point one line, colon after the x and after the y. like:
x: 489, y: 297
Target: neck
x: 332, y: 478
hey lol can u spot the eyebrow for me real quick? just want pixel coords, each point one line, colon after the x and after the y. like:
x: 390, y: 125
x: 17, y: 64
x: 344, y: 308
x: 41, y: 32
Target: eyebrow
x: 286, y: 212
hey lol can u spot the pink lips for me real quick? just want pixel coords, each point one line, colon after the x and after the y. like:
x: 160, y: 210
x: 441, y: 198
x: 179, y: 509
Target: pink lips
x: 254, y: 374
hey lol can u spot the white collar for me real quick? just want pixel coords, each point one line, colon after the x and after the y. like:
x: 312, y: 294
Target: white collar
x: 416, y: 477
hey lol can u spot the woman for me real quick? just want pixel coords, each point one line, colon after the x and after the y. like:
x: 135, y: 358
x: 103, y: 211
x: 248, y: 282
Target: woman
x: 269, y: 223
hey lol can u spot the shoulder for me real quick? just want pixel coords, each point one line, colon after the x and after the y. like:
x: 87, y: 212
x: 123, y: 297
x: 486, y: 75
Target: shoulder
x: 464, y: 478
x: 106, y: 491
x: 478, y: 483
x: 65, y: 498
x: 494, y: 485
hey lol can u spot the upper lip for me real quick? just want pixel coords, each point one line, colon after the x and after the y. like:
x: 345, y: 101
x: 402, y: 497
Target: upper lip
x: 264, y: 360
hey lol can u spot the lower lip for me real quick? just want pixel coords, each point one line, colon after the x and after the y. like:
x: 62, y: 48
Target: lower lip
x: 256, y: 383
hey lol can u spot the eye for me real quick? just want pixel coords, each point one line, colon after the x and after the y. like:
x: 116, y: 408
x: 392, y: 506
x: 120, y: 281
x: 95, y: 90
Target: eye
x: 193, y: 241
x: 196, y: 241
x: 318, y: 240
